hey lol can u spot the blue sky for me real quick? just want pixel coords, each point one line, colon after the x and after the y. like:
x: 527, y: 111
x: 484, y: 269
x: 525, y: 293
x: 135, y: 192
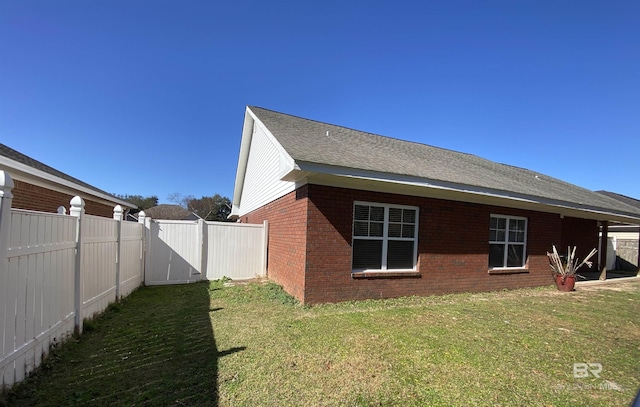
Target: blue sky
x: 148, y: 97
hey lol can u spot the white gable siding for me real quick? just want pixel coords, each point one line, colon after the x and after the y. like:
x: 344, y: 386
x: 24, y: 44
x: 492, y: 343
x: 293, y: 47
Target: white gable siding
x: 265, y: 167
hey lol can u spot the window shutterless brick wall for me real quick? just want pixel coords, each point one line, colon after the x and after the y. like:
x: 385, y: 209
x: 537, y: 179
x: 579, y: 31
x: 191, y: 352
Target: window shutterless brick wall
x: 310, y: 246
x: 582, y: 233
x: 287, y: 218
x: 36, y: 198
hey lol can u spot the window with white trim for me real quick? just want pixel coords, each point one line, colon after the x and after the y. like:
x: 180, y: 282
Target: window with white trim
x: 507, y: 241
x: 385, y: 237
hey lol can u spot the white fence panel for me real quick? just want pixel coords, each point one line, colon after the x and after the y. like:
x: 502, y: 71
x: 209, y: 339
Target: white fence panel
x: 236, y: 250
x: 186, y: 251
x: 175, y: 252
x: 99, y: 253
x: 53, y: 275
x: 36, y: 294
x: 131, y: 257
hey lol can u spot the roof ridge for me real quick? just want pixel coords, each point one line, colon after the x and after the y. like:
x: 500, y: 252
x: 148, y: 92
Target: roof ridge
x: 369, y: 133
x: 418, y: 143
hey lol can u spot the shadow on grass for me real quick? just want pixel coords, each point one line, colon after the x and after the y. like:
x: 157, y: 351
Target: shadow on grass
x: 157, y: 348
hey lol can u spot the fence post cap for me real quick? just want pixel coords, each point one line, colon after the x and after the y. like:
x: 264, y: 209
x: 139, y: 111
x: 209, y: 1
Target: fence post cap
x: 6, y: 182
x: 117, y: 212
x: 77, y: 207
x: 77, y: 201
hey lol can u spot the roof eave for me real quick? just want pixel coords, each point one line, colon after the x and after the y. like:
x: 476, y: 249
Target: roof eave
x: 383, y: 182
x: 24, y: 172
x: 245, y: 144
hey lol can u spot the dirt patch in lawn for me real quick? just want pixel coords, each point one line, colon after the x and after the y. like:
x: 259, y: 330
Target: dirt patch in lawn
x: 233, y: 283
x: 631, y: 284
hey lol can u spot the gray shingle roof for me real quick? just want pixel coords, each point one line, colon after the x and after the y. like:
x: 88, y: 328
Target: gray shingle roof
x: 10, y: 153
x: 623, y: 198
x: 307, y: 141
x: 169, y: 212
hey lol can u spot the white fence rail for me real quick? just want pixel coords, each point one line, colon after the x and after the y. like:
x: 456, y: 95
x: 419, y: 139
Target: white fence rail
x: 56, y: 270
x: 188, y: 251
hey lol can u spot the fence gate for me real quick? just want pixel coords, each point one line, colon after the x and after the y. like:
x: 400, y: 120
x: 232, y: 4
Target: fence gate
x: 174, y: 252
x: 188, y: 251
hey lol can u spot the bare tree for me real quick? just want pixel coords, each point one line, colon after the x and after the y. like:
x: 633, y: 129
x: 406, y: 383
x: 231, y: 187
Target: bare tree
x: 213, y: 208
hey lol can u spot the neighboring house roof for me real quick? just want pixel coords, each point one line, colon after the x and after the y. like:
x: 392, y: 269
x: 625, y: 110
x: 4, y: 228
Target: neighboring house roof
x: 316, y: 150
x: 627, y: 200
x: 25, y: 168
x: 170, y: 212
x: 622, y: 198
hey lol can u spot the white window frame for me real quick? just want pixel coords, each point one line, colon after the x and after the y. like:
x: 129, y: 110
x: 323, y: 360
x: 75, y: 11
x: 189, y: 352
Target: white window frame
x: 385, y: 235
x: 506, y: 242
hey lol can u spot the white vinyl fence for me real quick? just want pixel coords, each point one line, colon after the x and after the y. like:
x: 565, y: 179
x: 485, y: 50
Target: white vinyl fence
x: 236, y: 250
x: 56, y: 270
x: 188, y: 251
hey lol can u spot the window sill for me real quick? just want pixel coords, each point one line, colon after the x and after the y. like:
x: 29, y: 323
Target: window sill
x: 515, y: 270
x: 385, y: 274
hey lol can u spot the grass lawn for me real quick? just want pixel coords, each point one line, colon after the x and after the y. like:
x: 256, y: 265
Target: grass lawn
x: 252, y: 345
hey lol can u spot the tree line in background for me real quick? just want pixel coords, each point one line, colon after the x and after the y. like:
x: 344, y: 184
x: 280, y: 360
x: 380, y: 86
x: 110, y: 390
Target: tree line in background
x: 211, y: 208
x: 216, y: 207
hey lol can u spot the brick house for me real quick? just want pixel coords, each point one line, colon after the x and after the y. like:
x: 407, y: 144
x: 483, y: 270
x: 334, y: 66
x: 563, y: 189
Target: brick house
x: 39, y: 187
x: 353, y: 215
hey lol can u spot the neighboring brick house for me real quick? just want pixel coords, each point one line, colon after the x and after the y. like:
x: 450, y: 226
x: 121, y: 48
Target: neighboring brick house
x: 353, y: 215
x: 39, y: 187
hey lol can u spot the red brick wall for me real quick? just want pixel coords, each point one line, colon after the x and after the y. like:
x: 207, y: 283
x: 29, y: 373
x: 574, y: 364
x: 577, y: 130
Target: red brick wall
x: 36, y: 198
x: 582, y: 233
x: 310, y: 246
x: 452, y: 248
x: 287, y: 218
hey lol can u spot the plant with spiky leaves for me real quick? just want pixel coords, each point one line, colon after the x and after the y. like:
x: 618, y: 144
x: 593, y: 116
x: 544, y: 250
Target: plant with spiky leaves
x: 569, y: 265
